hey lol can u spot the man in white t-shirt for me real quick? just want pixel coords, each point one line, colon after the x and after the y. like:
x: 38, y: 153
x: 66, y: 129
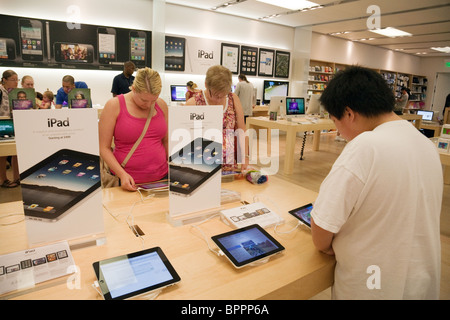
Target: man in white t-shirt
x: 378, y: 209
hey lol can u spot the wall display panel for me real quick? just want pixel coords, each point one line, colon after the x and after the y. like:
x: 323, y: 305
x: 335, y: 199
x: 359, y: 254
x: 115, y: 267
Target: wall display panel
x: 175, y: 49
x: 26, y: 42
x: 266, y: 62
x: 249, y: 60
x: 230, y: 57
x: 282, y: 59
x: 201, y: 54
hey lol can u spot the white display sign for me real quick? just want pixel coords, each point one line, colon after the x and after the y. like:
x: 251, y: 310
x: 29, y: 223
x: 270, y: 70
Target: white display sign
x: 58, y: 155
x: 195, y: 158
x: 201, y: 54
x: 24, y: 269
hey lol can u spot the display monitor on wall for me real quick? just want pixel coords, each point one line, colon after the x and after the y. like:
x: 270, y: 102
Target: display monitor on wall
x: 274, y: 88
x: 295, y: 106
x: 178, y: 92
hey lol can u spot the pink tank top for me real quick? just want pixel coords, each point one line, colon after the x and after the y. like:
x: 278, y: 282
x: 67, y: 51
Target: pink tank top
x: 149, y: 160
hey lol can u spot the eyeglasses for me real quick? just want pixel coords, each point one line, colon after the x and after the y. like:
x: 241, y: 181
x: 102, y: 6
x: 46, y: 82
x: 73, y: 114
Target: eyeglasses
x: 16, y: 80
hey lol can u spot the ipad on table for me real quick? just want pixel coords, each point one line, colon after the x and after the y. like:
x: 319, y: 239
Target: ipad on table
x: 134, y: 274
x: 56, y: 184
x: 303, y: 214
x: 159, y: 185
x: 247, y: 245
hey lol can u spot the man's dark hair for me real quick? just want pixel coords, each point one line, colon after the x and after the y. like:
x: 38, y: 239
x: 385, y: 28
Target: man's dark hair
x: 361, y: 89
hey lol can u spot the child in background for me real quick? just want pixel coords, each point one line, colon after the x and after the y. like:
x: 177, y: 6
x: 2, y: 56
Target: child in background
x: 47, y: 100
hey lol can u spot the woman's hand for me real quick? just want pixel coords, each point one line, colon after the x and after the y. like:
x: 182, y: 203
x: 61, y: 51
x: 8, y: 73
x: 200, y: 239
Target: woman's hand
x: 127, y: 182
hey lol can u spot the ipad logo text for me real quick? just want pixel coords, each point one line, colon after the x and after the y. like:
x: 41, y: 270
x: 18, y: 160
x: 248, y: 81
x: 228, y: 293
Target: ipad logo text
x: 196, y: 116
x: 53, y: 122
x: 205, y: 55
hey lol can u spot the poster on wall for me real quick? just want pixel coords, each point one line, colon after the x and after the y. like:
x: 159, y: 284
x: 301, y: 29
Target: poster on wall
x: 201, y: 54
x: 266, y: 62
x: 175, y: 48
x: 28, y: 42
x: 58, y: 157
x: 282, y: 59
x: 229, y: 57
x: 195, y: 158
x: 249, y: 60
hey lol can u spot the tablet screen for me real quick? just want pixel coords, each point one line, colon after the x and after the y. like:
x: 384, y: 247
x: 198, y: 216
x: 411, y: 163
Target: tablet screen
x: 57, y: 183
x: 155, y: 185
x: 303, y: 214
x: 247, y: 245
x: 194, y: 164
x: 134, y: 274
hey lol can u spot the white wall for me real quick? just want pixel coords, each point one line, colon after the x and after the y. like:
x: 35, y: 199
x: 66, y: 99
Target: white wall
x: 327, y: 48
x: 189, y: 22
x: 184, y: 21
x: 429, y: 68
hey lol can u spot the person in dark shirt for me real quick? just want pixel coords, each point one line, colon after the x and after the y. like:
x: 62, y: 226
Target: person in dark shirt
x: 122, y: 82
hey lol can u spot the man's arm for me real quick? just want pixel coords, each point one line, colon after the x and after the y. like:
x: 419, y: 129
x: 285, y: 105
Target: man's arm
x: 322, y: 238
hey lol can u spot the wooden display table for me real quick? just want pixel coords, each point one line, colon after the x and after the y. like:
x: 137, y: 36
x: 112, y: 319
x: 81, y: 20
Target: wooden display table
x: 291, y: 128
x: 299, y: 272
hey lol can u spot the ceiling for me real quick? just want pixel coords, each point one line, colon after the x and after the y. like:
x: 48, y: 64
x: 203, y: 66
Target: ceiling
x: 427, y: 20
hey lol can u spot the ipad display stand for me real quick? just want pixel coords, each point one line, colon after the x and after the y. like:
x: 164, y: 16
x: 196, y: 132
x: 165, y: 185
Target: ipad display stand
x: 259, y: 262
x: 227, y: 197
x: 149, y: 296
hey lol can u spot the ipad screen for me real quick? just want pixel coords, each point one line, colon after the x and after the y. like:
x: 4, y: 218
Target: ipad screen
x: 58, y: 182
x: 246, y: 245
x: 303, y: 214
x: 133, y: 274
x: 194, y: 164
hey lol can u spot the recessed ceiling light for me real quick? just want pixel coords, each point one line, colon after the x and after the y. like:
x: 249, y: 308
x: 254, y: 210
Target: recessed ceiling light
x: 391, y: 32
x: 442, y: 49
x: 291, y: 4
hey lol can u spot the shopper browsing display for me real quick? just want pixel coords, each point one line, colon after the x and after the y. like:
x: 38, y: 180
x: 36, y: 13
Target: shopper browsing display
x: 244, y: 90
x: 378, y: 209
x: 218, y: 86
x: 192, y: 90
x: 123, y: 81
x: 402, y: 102
x: 123, y: 118
x: 68, y: 83
x: 9, y: 81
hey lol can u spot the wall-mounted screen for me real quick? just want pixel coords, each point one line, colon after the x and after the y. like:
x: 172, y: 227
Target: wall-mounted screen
x: 274, y: 88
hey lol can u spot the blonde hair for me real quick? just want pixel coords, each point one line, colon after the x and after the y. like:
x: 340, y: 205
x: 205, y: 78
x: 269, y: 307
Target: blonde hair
x: 219, y: 79
x: 147, y: 80
x: 49, y: 95
x: 25, y: 78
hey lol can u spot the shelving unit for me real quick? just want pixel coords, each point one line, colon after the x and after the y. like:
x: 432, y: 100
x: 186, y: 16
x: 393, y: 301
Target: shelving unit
x: 320, y: 72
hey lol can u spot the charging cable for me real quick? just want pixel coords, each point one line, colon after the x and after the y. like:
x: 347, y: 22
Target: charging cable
x: 217, y: 252
x: 11, y: 215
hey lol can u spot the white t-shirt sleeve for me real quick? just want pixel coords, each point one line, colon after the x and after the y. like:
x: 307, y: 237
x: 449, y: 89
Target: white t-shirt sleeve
x: 338, y: 195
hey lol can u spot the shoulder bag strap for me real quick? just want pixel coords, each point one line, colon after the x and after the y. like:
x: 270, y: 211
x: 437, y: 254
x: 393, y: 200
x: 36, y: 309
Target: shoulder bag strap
x: 138, y: 141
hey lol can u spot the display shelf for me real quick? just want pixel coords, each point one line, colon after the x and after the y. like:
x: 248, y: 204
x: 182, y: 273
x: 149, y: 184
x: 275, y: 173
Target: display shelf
x: 320, y: 72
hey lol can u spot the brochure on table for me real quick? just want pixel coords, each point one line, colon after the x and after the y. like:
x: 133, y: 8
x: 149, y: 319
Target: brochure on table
x: 26, y: 268
x: 195, y: 142
x: 58, y: 161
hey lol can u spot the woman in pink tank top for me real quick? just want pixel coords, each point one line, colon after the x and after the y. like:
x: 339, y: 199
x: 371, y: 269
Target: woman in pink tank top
x: 123, y: 119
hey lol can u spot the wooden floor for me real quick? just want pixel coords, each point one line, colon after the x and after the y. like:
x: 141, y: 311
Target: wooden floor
x: 309, y: 173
